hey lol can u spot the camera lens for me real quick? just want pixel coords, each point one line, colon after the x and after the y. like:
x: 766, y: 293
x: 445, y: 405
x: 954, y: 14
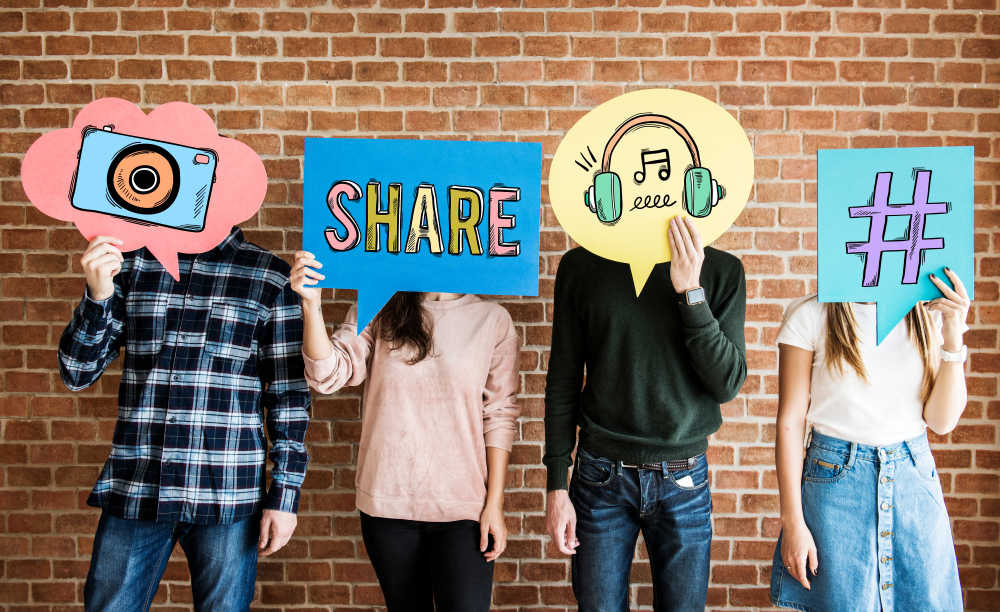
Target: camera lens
x: 144, y: 179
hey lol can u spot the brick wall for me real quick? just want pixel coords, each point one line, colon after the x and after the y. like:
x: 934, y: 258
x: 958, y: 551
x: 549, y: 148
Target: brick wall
x: 799, y: 76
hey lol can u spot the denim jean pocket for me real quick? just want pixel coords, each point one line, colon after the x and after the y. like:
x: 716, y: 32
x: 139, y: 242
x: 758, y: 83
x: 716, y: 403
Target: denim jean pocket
x: 693, y: 478
x: 593, y: 471
x: 823, y: 466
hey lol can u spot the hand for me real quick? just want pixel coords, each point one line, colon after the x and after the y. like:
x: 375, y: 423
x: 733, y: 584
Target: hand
x: 687, y: 254
x: 101, y: 262
x: 304, y: 275
x: 276, y: 528
x: 491, y: 522
x: 798, y: 547
x: 954, y: 309
x: 560, y: 521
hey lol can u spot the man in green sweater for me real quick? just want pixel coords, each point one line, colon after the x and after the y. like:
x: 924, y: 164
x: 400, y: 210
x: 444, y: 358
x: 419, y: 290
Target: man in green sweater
x: 657, y: 368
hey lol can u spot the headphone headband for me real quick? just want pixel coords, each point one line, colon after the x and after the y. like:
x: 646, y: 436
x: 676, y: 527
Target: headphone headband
x: 645, y: 118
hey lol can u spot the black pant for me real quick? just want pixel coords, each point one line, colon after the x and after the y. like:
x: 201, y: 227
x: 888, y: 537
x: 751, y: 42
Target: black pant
x: 424, y: 566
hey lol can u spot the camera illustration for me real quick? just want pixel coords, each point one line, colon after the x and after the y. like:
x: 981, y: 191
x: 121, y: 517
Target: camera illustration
x: 150, y: 182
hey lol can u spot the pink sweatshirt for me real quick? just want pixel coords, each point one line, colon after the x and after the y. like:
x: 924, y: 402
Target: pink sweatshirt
x: 425, y: 427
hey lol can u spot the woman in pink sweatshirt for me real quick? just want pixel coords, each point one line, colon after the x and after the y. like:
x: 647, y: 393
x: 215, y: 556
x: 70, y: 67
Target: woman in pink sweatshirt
x: 439, y: 417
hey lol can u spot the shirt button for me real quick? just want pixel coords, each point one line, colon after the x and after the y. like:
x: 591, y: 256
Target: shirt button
x: 172, y: 420
x: 175, y: 378
x: 885, y: 505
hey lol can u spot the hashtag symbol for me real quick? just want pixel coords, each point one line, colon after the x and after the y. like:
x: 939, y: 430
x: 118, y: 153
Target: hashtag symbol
x: 913, y: 244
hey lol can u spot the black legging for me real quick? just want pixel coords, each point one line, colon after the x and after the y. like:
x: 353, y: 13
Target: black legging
x: 425, y: 566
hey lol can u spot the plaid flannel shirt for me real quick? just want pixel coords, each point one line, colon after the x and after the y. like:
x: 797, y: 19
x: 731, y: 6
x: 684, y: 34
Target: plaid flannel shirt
x: 208, y: 360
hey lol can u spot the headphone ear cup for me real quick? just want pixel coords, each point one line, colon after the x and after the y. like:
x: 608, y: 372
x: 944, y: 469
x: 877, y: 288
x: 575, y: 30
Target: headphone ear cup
x: 608, y: 197
x: 701, y: 192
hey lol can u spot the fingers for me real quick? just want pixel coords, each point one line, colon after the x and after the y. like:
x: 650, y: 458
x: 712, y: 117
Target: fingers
x: 562, y: 537
x: 499, y: 543
x: 108, y: 264
x: 945, y: 290
x: 278, y: 540
x: 305, y: 258
x: 98, y: 251
x: 957, y: 282
x: 695, y: 236
x: 799, y: 563
x: 684, y: 228
x: 265, y: 532
x: 99, y: 240
x: 678, y: 250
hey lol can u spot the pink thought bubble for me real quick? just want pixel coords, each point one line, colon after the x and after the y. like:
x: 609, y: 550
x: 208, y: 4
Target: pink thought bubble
x: 165, y: 181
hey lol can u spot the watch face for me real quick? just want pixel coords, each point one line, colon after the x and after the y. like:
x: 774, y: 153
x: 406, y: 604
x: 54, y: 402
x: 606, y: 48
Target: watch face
x: 695, y: 296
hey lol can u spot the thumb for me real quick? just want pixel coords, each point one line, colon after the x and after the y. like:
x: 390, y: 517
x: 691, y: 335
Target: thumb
x: 813, y: 561
x: 484, y: 536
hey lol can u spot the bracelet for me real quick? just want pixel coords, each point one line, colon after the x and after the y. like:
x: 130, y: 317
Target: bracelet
x: 958, y: 356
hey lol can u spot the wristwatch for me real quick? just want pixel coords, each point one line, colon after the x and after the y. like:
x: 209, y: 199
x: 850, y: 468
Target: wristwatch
x: 694, y: 296
x: 958, y: 356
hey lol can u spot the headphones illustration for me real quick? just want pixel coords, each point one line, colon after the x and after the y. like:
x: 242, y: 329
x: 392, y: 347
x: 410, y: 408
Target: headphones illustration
x: 701, y: 191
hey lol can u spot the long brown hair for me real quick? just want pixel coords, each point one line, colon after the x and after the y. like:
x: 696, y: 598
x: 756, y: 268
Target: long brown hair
x: 842, y: 342
x: 403, y: 321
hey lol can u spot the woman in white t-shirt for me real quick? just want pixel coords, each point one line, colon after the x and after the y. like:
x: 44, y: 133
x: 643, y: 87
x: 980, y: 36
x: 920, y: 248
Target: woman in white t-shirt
x: 867, y: 530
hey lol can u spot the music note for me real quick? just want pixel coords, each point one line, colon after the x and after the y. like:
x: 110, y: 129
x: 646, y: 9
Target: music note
x: 649, y: 158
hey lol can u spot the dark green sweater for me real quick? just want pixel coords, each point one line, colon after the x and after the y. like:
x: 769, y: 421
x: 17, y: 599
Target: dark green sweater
x: 657, y: 369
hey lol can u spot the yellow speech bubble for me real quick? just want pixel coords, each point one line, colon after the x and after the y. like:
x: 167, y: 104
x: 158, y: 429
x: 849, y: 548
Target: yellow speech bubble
x: 631, y: 164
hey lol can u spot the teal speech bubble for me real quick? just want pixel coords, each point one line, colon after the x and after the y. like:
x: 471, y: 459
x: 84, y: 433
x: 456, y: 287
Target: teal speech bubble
x: 886, y: 219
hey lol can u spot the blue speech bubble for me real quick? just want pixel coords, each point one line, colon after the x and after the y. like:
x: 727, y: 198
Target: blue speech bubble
x: 422, y: 215
x: 886, y: 219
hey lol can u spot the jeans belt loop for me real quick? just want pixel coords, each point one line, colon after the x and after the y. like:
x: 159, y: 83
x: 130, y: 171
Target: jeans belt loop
x: 853, y: 455
x: 909, y: 449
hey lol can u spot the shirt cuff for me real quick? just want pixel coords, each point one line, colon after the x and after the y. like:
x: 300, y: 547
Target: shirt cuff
x: 696, y: 315
x: 95, y: 311
x: 285, y: 499
x: 318, y: 369
x: 501, y: 437
x: 556, y: 477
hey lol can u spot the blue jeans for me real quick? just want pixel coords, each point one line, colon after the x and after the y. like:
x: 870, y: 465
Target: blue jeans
x: 673, y: 511
x: 130, y: 556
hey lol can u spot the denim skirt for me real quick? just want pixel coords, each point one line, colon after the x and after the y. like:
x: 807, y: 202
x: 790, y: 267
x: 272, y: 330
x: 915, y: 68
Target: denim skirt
x: 883, y: 539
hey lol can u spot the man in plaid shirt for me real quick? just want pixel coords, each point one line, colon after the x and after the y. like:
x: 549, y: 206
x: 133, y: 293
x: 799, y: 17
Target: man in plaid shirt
x: 209, y: 359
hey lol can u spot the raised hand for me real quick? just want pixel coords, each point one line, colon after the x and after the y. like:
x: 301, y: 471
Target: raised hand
x: 954, y: 309
x: 101, y: 262
x: 305, y: 274
x: 687, y: 254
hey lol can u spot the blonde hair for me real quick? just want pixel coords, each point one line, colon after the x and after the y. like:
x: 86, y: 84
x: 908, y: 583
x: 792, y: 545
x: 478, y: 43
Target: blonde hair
x: 842, y: 342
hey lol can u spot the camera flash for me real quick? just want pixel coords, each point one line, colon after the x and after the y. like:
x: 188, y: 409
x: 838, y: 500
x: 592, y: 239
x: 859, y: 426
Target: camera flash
x: 201, y: 158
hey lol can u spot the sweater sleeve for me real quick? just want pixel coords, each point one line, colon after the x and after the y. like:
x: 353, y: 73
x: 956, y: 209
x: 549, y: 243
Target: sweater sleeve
x: 500, y: 408
x: 563, y: 381
x: 714, y: 335
x: 347, y: 364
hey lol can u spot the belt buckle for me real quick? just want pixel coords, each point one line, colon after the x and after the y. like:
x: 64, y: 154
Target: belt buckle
x: 630, y: 465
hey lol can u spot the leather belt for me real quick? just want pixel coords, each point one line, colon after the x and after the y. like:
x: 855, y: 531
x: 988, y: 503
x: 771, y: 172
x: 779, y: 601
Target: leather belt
x: 673, y: 465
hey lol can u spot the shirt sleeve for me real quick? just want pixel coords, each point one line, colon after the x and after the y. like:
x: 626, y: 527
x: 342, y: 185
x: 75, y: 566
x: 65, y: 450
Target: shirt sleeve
x: 347, y: 364
x: 285, y: 400
x: 714, y: 335
x: 802, y: 323
x: 500, y: 408
x: 564, y: 380
x: 93, y: 338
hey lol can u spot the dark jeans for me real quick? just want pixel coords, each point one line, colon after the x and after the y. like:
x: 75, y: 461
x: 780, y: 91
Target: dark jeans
x: 673, y: 510
x: 424, y: 566
x: 130, y: 556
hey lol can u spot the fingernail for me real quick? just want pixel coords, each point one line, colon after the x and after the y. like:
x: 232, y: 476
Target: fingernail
x: 947, y: 269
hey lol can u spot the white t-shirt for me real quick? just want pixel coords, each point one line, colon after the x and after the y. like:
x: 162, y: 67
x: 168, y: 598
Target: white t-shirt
x: 883, y: 410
